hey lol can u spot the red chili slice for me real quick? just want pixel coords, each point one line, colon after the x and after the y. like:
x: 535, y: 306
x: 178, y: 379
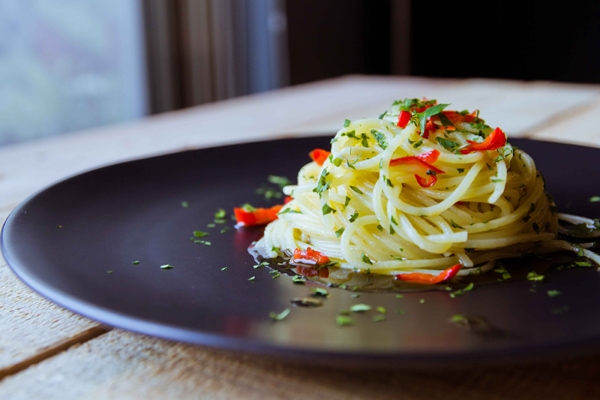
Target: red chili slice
x: 456, y: 117
x: 429, y: 157
x: 403, y: 119
x: 494, y: 141
x: 422, y: 165
x: 319, y: 155
x: 428, y: 279
x: 309, y: 256
x: 257, y: 216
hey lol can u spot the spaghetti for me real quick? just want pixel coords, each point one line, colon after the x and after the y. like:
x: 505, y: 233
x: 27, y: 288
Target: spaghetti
x: 421, y: 192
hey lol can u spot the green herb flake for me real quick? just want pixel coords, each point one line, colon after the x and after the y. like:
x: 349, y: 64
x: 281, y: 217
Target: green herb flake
x: 357, y: 190
x: 364, y: 142
x: 417, y: 144
x: 366, y: 259
x: 461, y: 292
x: 288, y: 211
x: 381, y: 310
x: 136, y: 262
x: 347, y: 201
x: 320, y: 292
x: 358, y: 308
x: 594, y: 199
x: 109, y: 272
x: 553, y: 293
x: 355, y: 295
x: 220, y: 214
x: 166, y: 266
x: 339, y: 232
x: 59, y: 226
x: 583, y: 263
x: 280, y: 181
x: 399, y: 296
x: 299, y: 279
x: 380, y: 137
x: 327, y: 209
x: 534, y: 276
x: 200, y: 234
x: 353, y: 217
x: 248, y: 207
x: 379, y: 318
x: 347, y: 123
x: 344, y: 320
x: 185, y: 204
x: 421, y: 301
x: 224, y: 269
x: 279, y: 316
x: 252, y: 278
x: 446, y: 143
x: 455, y: 225
x: 460, y: 170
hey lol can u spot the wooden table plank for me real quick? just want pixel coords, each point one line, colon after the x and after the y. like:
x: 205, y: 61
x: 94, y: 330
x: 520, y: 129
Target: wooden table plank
x: 129, y: 366
x: 582, y: 128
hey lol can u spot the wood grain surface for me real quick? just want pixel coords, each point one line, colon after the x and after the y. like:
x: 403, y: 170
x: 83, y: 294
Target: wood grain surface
x: 48, y: 352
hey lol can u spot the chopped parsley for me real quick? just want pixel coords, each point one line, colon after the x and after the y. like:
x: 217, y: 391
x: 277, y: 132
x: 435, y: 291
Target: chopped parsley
x: 380, y: 137
x: 220, y: 214
x: 462, y: 291
x: 166, y: 266
x: 136, y: 262
x: 357, y: 190
x: 279, y: 316
x: 320, y: 292
x: 344, y: 320
x: 534, y: 276
x: 446, y: 143
x: 327, y: 209
x: 299, y: 279
x: 358, y: 308
x: 455, y: 225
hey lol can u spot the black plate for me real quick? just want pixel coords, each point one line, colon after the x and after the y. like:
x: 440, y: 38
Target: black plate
x: 63, y: 242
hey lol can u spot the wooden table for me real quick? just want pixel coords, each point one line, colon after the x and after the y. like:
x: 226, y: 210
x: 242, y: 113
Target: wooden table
x: 48, y: 352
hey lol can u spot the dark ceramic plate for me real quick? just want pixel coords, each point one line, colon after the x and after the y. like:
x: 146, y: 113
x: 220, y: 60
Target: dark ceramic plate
x: 75, y: 243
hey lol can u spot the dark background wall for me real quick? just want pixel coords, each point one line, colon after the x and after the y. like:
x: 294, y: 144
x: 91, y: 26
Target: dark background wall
x: 527, y: 40
x: 337, y: 37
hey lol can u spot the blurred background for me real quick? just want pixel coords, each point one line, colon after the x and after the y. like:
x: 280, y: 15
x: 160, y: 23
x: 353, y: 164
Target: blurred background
x: 68, y: 65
